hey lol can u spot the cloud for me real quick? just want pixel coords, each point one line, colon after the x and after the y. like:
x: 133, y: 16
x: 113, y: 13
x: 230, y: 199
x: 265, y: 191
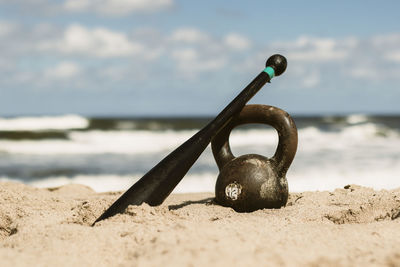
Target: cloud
x: 6, y: 28
x: 29, y: 2
x: 116, y: 7
x: 372, y: 59
x: 364, y: 72
x: 58, y: 53
x: 111, y: 8
x: 388, y: 45
x: 311, y: 80
x: 236, y: 41
x: 188, y: 54
x: 393, y: 56
x: 63, y: 70
x: 189, y: 35
x: 391, y: 40
x: 189, y: 63
x: 196, y: 52
x: 31, y: 7
x: 319, y: 49
x: 97, y: 42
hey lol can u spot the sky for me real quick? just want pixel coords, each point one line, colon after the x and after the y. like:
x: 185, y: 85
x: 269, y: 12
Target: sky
x: 191, y: 58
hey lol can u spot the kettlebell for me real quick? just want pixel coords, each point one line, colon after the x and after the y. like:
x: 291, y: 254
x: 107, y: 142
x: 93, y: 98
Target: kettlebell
x: 251, y: 182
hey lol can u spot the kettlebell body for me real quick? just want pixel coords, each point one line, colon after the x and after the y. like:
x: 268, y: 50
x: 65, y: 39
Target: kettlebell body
x: 251, y: 182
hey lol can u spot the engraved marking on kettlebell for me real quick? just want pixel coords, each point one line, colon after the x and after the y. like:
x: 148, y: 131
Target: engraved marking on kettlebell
x: 233, y: 190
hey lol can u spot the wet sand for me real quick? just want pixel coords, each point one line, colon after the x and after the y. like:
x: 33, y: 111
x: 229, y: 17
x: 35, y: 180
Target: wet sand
x: 352, y: 226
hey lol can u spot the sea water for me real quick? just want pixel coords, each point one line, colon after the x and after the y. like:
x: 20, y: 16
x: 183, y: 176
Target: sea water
x: 110, y: 154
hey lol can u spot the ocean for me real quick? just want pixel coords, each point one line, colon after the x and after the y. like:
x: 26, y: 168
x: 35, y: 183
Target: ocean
x: 110, y: 154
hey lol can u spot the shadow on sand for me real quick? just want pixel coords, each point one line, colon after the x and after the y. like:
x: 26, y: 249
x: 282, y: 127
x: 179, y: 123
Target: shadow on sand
x: 207, y: 201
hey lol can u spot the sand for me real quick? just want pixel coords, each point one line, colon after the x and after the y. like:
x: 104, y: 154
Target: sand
x: 356, y: 226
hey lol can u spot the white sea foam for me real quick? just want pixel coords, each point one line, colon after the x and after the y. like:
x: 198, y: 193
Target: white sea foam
x: 43, y: 123
x: 144, y: 141
x: 356, y: 118
x: 314, y: 178
x: 99, y: 142
x: 125, y: 142
x: 363, y: 135
x: 365, y: 154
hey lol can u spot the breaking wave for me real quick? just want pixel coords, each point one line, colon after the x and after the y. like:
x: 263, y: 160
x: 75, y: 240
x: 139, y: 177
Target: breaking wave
x: 111, y: 154
x: 43, y: 123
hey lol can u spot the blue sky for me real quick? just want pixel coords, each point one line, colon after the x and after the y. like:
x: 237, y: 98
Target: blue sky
x: 171, y: 57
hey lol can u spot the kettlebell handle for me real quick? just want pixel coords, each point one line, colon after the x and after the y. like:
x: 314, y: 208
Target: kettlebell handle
x: 277, y: 118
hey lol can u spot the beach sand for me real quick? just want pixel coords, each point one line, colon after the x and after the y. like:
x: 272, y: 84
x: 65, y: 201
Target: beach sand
x: 356, y: 226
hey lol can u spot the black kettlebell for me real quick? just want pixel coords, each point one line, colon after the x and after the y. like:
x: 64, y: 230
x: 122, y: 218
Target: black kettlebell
x: 251, y: 182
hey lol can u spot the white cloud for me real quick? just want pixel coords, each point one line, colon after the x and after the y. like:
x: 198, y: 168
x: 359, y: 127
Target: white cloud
x: 189, y: 62
x: 388, y: 45
x: 99, y: 42
x: 195, y: 51
x: 77, y: 5
x: 317, y: 49
x: 116, y: 7
x: 393, y: 55
x: 187, y: 51
x: 188, y: 54
x: 63, y: 70
x: 311, y: 80
x: 236, y: 41
x: 6, y: 28
x: 25, y: 2
x: 386, y: 40
x: 189, y: 35
x: 209, y: 64
x: 364, y: 72
x: 193, y: 67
